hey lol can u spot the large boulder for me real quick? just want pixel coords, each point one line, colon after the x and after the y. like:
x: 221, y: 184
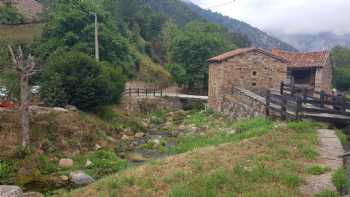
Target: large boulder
x: 10, y: 191
x: 80, y: 178
x: 66, y: 163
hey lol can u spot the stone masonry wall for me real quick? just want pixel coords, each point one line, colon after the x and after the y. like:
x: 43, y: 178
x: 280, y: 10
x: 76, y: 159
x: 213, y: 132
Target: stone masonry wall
x: 327, y: 74
x: 253, y: 70
x: 243, y: 104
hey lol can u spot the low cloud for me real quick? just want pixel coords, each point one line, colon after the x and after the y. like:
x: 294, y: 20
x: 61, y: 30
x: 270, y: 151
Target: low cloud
x: 288, y: 16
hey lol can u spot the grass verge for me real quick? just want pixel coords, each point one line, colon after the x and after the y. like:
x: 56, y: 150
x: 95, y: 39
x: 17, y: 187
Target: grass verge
x: 272, y: 164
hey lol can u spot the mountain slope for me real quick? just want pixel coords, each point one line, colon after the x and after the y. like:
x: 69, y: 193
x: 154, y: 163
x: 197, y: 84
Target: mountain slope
x: 315, y: 42
x: 256, y: 36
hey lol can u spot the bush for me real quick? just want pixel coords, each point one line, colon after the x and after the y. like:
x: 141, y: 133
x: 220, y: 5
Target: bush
x: 9, y: 15
x: 76, y: 79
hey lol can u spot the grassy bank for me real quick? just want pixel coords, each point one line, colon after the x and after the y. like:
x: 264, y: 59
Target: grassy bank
x: 272, y: 164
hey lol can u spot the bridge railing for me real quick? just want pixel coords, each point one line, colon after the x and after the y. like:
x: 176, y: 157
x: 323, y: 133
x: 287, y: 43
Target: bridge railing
x: 297, y: 102
x: 143, y: 92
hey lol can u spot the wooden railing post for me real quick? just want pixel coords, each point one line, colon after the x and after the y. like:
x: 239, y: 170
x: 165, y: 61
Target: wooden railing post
x: 299, y: 108
x: 284, y: 108
x: 268, y: 102
x: 292, y: 89
x: 154, y: 92
x: 146, y: 92
x: 161, y: 92
x: 282, y: 88
x: 322, y: 99
x: 343, y: 103
x: 305, y: 93
x: 129, y: 91
x: 138, y: 91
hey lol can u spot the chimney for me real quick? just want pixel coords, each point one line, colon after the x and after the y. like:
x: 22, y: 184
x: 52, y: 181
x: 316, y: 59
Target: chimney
x: 275, y: 51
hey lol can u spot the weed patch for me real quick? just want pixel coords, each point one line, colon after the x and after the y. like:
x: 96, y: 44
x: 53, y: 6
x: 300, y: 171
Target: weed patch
x: 317, y: 169
x: 340, y: 179
x: 327, y: 193
x: 342, y: 137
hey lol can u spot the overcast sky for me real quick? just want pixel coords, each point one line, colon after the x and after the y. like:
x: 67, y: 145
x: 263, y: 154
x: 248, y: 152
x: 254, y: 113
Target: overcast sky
x: 288, y: 16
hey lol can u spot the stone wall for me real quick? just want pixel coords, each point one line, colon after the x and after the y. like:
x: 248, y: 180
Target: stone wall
x: 243, y: 104
x: 252, y: 70
x: 327, y: 77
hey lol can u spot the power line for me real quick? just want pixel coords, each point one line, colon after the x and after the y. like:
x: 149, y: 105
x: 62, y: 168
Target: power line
x: 220, y: 5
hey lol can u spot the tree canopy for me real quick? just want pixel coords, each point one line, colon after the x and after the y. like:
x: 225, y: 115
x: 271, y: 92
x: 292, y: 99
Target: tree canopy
x: 341, y: 69
x: 75, y: 78
x: 191, y: 46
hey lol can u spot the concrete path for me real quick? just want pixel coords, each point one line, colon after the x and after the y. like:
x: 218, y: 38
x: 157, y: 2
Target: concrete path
x: 329, y: 150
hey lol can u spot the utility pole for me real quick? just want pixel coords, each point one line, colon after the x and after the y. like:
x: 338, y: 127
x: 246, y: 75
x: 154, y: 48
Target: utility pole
x: 97, y: 50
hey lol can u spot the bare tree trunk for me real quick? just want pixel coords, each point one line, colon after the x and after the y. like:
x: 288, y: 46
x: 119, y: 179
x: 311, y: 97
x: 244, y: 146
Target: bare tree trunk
x: 25, y: 69
x: 25, y: 115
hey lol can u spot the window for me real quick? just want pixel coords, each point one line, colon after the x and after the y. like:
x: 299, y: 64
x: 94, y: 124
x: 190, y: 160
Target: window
x: 254, y: 73
x: 253, y: 84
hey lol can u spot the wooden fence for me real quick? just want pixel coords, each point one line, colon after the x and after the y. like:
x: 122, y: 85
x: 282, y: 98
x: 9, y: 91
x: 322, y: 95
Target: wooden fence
x: 143, y: 92
x: 296, y: 102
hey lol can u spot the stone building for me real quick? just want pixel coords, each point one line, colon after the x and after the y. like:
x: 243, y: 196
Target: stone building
x: 258, y: 70
x: 312, y: 69
x: 251, y: 68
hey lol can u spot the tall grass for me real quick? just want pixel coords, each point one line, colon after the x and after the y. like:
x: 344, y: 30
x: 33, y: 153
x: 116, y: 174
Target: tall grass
x: 245, y: 129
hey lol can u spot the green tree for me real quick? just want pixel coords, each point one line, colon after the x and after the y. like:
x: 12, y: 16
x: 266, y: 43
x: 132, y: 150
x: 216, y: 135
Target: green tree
x: 192, y: 47
x: 342, y: 78
x: 71, y: 26
x: 9, y: 15
x: 75, y: 78
x: 341, y: 67
x: 340, y: 56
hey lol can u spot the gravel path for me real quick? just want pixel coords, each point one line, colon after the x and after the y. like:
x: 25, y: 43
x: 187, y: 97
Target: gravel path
x: 329, y: 150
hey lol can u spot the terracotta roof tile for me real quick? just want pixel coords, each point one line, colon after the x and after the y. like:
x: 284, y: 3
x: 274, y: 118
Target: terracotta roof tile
x: 303, y: 60
x: 241, y: 51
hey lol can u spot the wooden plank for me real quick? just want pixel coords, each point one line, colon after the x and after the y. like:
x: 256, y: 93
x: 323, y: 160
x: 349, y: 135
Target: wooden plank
x: 326, y: 111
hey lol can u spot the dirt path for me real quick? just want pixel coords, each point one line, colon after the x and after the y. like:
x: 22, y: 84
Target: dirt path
x: 329, y: 150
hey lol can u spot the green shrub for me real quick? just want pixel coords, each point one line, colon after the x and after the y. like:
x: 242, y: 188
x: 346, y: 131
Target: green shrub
x: 158, y: 117
x: 7, y: 169
x: 317, y: 169
x: 103, y: 163
x: 76, y: 79
x: 9, y: 15
x: 340, y: 179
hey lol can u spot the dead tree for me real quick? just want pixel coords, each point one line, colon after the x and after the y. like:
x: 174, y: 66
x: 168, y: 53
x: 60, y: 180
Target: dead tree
x: 25, y: 69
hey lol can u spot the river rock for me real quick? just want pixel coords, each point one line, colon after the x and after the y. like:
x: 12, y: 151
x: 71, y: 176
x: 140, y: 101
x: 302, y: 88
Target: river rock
x: 182, y: 127
x: 136, y: 157
x: 33, y: 194
x: 97, y: 147
x: 59, y: 109
x: 80, y: 178
x: 64, y: 178
x: 10, y: 191
x: 139, y: 135
x: 125, y: 138
x: 71, y: 108
x: 66, y: 163
x: 88, y: 163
